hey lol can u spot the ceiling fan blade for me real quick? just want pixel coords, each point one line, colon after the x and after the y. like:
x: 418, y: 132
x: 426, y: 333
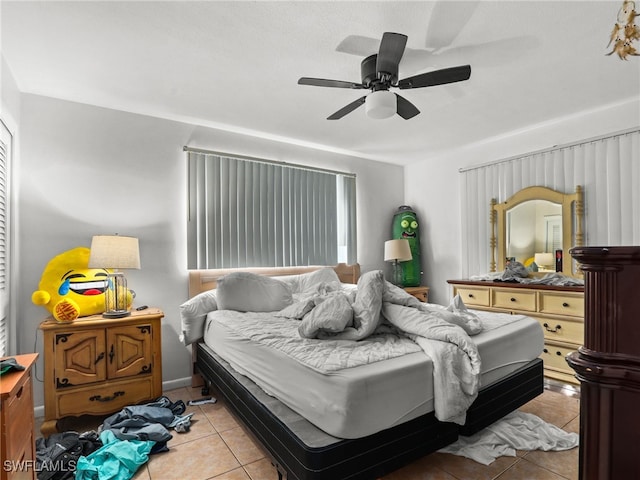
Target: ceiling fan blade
x: 438, y: 77
x: 348, y: 109
x: 390, y: 52
x: 359, y: 45
x: 406, y: 109
x: 321, y: 82
x: 446, y: 21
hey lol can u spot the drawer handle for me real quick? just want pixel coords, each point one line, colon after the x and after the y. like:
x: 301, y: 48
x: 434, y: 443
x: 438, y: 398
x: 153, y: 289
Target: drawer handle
x: 545, y: 350
x: 559, y: 354
x: 99, y: 398
x: 100, y: 357
x: 513, y: 299
x: 552, y: 330
x: 565, y: 304
x: 471, y: 295
x: 111, y: 355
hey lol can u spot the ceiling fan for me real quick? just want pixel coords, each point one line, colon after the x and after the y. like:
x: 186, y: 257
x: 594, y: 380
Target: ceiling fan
x: 380, y: 73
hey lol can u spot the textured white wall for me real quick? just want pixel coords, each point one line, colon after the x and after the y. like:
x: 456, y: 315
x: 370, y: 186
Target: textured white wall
x: 87, y: 170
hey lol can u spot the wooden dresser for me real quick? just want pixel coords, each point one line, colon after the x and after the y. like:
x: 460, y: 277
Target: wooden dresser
x: 560, y: 311
x: 97, y: 366
x: 17, y: 444
x: 608, y: 365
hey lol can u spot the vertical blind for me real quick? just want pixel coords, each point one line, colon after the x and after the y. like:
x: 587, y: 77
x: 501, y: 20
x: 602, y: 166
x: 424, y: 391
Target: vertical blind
x: 252, y: 213
x: 608, y: 169
x: 5, y: 155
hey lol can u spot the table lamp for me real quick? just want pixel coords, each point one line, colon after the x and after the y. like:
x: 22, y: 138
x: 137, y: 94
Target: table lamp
x: 397, y: 251
x: 115, y: 252
x: 544, y: 260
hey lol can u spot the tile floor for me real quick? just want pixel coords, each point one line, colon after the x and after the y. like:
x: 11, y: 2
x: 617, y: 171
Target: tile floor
x: 217, y: 447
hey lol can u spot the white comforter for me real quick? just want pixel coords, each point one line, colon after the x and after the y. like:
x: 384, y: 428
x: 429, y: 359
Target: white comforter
x: 442, y: 334
x: 456, y: 363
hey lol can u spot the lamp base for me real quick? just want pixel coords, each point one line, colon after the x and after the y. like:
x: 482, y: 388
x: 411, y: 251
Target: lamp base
x: 397, y: 274
x: 116, y: 314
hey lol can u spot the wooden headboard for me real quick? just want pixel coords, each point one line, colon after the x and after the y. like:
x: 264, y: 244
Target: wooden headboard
x: 203, y: 280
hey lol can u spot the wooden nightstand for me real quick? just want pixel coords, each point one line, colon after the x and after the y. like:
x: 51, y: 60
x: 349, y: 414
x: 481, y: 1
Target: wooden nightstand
x: 97, y: 366
x: 421, y: 293
x: 17, y: 444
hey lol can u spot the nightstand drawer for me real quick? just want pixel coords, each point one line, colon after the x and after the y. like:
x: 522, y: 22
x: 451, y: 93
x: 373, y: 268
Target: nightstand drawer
x: 473, y: 296
x: 421, y: 293
x: 514, y: 299
x: 562, y: 304
x: 105, y: 398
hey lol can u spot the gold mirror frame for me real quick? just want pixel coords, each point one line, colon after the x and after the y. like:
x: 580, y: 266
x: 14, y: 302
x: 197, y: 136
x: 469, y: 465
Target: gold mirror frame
x: 498, y: 213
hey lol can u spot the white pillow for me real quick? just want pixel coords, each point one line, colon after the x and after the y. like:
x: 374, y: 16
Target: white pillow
x: 193, y: 314
x: 248, y: 292
x: 305, y: 282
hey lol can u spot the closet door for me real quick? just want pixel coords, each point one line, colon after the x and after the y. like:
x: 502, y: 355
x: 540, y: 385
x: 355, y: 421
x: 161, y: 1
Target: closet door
x: 6, y: 144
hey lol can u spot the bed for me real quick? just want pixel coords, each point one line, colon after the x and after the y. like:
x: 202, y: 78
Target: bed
x: 330, y: 439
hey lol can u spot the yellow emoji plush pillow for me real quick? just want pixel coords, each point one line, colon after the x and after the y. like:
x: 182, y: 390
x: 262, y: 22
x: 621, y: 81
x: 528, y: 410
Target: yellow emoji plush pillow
x: 69, y: 289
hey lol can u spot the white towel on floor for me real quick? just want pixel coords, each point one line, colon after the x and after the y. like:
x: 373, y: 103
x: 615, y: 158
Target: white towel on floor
x: 516, y: 431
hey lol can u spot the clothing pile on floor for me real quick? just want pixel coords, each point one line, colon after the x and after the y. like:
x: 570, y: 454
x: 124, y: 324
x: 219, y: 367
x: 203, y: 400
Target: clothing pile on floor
x: 515, y: 431
x: 121, y: 445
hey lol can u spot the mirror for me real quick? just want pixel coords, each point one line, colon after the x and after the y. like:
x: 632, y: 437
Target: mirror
x: 537, y: 221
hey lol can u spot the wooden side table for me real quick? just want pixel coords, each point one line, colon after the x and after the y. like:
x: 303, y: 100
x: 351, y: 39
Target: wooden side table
x: 17, y: 445
x: 421, y: 293
x: 97, y: 366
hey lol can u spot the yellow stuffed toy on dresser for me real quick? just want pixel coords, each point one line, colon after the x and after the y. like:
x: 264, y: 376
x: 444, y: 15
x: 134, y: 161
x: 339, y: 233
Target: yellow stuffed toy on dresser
x: 69, y: 289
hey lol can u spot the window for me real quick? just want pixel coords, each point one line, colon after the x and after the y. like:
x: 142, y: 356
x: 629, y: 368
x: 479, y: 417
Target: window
x: 246, y: 212
x: 5, y: 157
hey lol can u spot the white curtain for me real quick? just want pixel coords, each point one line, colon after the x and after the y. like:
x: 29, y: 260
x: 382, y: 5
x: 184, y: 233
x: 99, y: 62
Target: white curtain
x: 251, y: 213
x: 608, y: 169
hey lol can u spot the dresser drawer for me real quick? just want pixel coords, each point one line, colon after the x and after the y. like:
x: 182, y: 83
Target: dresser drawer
x: 106, y: 398
x: 514, y: 299
x: 562, y: 304
x: 566, y: 331
x: 22, y: 460
x: 19, y: 417
x: 478, y: 296
x: 554, y: 356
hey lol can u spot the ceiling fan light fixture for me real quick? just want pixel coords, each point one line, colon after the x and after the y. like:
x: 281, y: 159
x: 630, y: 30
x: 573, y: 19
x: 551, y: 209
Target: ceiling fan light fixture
x: 381, y: 104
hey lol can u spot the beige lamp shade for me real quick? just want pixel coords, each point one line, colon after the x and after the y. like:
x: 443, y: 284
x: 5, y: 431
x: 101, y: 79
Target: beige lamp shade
x: 397, y: 250
x: 544, y: 259
x: 114, y: 251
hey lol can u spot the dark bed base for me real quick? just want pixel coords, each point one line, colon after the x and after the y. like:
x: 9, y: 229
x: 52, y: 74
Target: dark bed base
x: 378, y: 454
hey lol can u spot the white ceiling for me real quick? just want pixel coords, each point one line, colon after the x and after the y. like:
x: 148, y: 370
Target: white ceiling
x: 235, y: 65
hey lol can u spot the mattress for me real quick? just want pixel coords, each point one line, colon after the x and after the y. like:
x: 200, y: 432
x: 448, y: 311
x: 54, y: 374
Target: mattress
x: 360, y: 401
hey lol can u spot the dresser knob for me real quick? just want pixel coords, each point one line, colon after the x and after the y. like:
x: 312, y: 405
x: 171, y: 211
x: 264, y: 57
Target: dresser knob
x: 513, y: 299
x: 471, y: 295
x: 565, y: 304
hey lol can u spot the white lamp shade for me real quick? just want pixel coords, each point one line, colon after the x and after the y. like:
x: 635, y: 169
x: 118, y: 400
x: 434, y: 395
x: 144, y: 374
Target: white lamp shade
x: 397, y: 250
x: 380, y: 104
x: 544, y: 259
x: 114, y: 251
